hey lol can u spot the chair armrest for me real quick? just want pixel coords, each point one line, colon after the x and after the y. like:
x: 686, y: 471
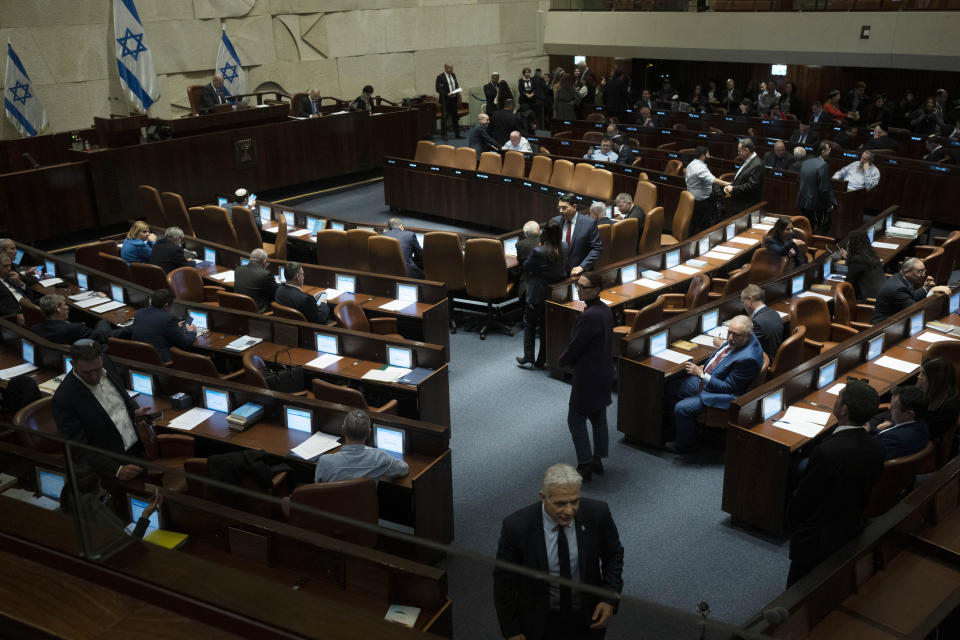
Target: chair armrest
x: 923, y: 250
x: 813, y: 344
x: 939, y: 240
x: 389, y: 408
x: 673, y: 300
x: 821, y: 242
x: 279, y: 485
x: 210, y: 292
x: 842, y: 331
x: 622, y: 331
x: 713, y: 295
x: 236, y: 375
x: 861, y: 326
x: 383, y: 326
x: 669, y: 312
x: 717, y: 284
x: 175, y: 445
x: 863, y: 312
x: 629, y: 315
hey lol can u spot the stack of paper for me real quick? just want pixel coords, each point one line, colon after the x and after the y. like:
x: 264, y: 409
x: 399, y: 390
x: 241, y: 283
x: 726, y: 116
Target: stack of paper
x: 390, y: 374
x: 672, y: 356
x: 649, y: 284
x: 650, y: 273
x: 705, y: 340
x: 83, y: 295
x: 883, y: 245
x: 332, y: 294
x: 896, y: 364
x: 49, y: 282
x: 396, y: 305
x: 89, y: 302
x: 929, y: 336
x: 13, y: 372
x: 716, y: 255
x: 223, y: 276
x: 110, y: 306
x: 682, y: 268
x: 747, y: 241
x: 763, y: 226
x: 190, y: 419
x: 243, y: 343
x: 730, y: 250
x: 806, y: 422
x: 315, y: 445
x: 323, y: 361
x: 299, y: 232
x: 906, y: 225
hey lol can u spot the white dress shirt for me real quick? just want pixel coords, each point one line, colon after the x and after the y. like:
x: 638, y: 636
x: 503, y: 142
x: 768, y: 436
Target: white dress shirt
x: 13, y: 290
x: 112, y: 402
x: 523, y: 145
x: 451, y: 83
x: 573, y: 230
x: 857, y: 178
x: 599, y: 156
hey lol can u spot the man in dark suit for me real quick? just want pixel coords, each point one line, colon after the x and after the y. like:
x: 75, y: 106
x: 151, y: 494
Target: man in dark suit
x: 540, y: 91
x: 879, y: 140
x: 847, y: 137
x: 566, y: 536
x: 253, y: 279
x: 168, y: 252
x: 804, y: 135
x: 9, y: 294
x: 911, y: 284
x: 826, y: 510
x: 905, y: 433
x: 157, y: 326
x: 213, y: 94
x: 57, y: 327
x: 778, y: 158
x: 746, y: 189
x: 815, y: 197
x: 91, y: 406
x: 504, y: 121
x: 646, y: 100
x: 935, y: 149
x: 446, y: 84
x: 290, y: 294
x: 724, y: 376
x: 627, y: 209
x: 479, y: 138
x: 767, y: 324
x: 730, y: 98
x: 308, y: 105
x: 598, y: 212
x: 817, y: 114
x: 581, y: 240
x: 615, y: 95
x: 496, y: 92
x: 587, y: 80
x: 530, y: 239
x: 409, y: 247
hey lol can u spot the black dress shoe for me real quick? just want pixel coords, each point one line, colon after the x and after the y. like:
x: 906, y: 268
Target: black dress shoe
x: 673, y: 448
x: 540, y: 364
x: 596, y: 465
x: 522, y: 361
x: 585, y: 471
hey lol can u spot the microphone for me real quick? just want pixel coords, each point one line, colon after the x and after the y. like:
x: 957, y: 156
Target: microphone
x: 36, y: 165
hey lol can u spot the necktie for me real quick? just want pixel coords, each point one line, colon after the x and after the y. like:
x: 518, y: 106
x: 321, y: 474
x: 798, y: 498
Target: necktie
x: 568, y: 233
x: 563, y: 555
x: 713, y: 365
x: 803, y: 138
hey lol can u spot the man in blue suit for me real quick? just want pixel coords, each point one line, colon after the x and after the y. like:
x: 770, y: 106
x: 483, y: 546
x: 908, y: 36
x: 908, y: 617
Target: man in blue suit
x: 409, y: 247
x: 579, y: 237
x: 904, y: 434
x: 724, y: 376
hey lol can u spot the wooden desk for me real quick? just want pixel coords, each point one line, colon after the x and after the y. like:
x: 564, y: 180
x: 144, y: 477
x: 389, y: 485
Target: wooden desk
x: 243, y: 116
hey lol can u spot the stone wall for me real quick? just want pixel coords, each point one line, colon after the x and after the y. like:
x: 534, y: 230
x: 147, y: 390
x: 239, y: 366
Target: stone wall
x: 398, y: 46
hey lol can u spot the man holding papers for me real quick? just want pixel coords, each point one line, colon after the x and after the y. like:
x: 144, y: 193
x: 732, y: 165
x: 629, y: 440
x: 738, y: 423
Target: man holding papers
x: 355, y: 459
x: 449, y: 91
x: 724, y: 376
x: 826, y: 510
x: 911, y: 284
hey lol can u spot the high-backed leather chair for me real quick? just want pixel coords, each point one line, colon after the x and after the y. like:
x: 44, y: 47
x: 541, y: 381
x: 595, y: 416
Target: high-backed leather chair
x: 600, y: 184
x: 238, y: 301
x: 218, y: 226
x: 134, y: 350
x: 280, y: 243
x: 541, y: 168
x: 354, y: 499
x: 673, y: 167
x: 593, y: 136
x: 638, y: 320
x: 296, y: 99
x: 349, y: 314
x: 357, y: 249
x: 514, y: 165
x: 562, y: 176
x: 176, y: 212
x: 38, y: 417
x: 31, y: 312
x: 385, y: 257
x: 248, y: 236
x: 117, y: 267
x: 151, y: 206
x: 148, y: 275
x: 846, y: 309
x: 485, y: 274
x: 789, y: 354
x: 813, y: 240
x: 280, y: 311
x: 425, y: 151
x: 733, y: 283
x: 822, y: 334
x: 949, y: 350
x: 253, y: 368
x: 581, y: 177
x: 606, y: 246
x: 490, y: 162
x: 696, y: 295
x: 199, y: 364
x: 337, y: 394
x: 465, y: 158
x: 624, y: 236
x: 89, y: 254
x: 194, y: 91
x: 764, y: 265
x: 645, y: 196
x: 652, y: 230
x: 235, y: 499
x: 332, y: 249
x: 186, y: 284
x: 897, y: 479
x: 443, y: 259
x: 682, y: 219
x: 443, y: 155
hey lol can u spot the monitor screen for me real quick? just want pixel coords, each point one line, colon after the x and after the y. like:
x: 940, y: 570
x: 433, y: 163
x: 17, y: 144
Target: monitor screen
x: 337, y: 226
x: 141, y: 383
x: 389, y: 440
x: 628, y: 273
x: 244, y: 261
x: 731, y: 230
x: 827, y: 267
x: 50, y: 483
x: 50, y: 268
x: 216, y: 400
x: 954, y: 302
x: 315, y: 224
x: 28, y: 352
x: 875, y: 348
x: 289, y: 216
x: 419, y: 239
x: 221, y: 201
x: 870, y: 234
x: 265, y: 213
x: 137, y: 507
x: 672, y: 259
x: 253, y: 198
x: 709, y: 320
x: 116, y: 292
x: 916, y: 323
x: 298, y: 419
x: 199, y: 319
x: 827, y: 374
x: 658, y: 342
x: 510, y: 247
x: 327, y: 344
x: 772, y: 404
x: 400, y: 357
x: 82, y: 280
x: 778, y: 69
x: 67, y: 364
x: 704, y: 245
x: 796, y: 285
x: 346, y: 283
x: 574, y: 294
x: 407, y: 292
x: 17, y: 258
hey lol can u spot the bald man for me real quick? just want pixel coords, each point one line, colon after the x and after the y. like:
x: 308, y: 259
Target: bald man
x: 479, y: 138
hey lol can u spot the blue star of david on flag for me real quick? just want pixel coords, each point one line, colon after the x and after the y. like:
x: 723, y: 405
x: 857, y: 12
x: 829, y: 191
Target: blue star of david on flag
x: 229, y: 72
x: 133, y: 56
x: 22, y: 107
x: 125, y: 43
x: 21, y: 97
x: 228, y: 65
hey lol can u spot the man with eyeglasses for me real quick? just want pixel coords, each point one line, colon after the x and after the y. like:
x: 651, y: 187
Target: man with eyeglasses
x: 723, y: 377
x: 911, y: 284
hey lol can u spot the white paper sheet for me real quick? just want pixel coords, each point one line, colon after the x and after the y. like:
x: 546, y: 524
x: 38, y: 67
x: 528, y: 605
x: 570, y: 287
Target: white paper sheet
x: 397, y: 305
x: 929, y: 336
x: 13, y: 372
x: 896, y: 364
x: 224, y: 276
x: 718, y: 332
x: 390, y: 374
x: 704, y: 340
x: 190, y: 419
x: 299, y: 232
x: 243, y: 343
x: 747, y: 241
x: 806, y: 429
x: 883, y: 245
x: 110, y: 306
x: 723, y: 249
x: 672, y: 356
x: 324, y: 361
x: 332, y: 294
x: 83, y: 296
x: 763, y: 226
x: 716, y: 255
x: 605, y: 301
x: 906, y: 225
x: 682, y: 268
x: 49, y: 282
x: 814, y: 294
x: 649, y: 284
x: 799, y: 414
x: 650, y: 273
x: 783, y: 314
x: 90, y: 302
x: 837, y: 388
x: 315, y: 445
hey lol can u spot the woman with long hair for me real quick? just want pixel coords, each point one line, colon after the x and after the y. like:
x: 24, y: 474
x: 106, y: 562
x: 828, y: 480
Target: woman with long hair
x: 864, y: 268
x: 542, y: 268
x: 938, y: 382
x: 139, y: 243
x: 780, y: 242
x: 565, y: 97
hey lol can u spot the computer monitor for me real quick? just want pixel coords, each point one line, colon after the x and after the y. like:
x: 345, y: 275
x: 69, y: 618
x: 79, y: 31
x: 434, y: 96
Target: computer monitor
x: 574, y: 294
x: 49, y: 268
x: 875, y: 348
x: 253, y: 198
x: 954, y: 302
x: 82, y: 280
x: 400, y: 357
x: 288, y: 216
x: 67, y: 364
x: 731, y: 230
x: 796, y: 285
x: 672, y: 259
x: 628, y: 273
x: 210, y: 255
x: 510, y: 247
x: 137, y: 507
x: 870, y: 234
x: 709, y: 320
x: 28, y: 351
x: 17, y: 258
x: 266, y: 213
x: 314, y: 224
x: 346, y: 283
x: 827, y: 374
x: 703, y: 246
x: 658, y: 342
x: 216, y: 399
x: 141, y: 382
x: 916, y: 323
x: 337, y: 226
x: 827, y: 268
x: 221, y: 201
x: 389, y: 440
x: 407, y: 292
x: 771, y: 404
x: 198, y: 319
x: 327, y: 343
x: 116, y: 292
x: 244, y: 261
x: 50, y: 483
x: 298, y: 418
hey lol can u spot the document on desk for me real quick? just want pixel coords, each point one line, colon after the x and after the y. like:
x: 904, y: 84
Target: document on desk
x: 783, y: 314
x: 723, y: 249
x: 806, y: 429
x: 836, y: 389
x: 299, y: 232
x: 20, y: 369
x: 649, y: 284
x: 703, y: 339
x: 799, y: 414
x: 49, y: 282
x: 315, y: 445
x: 224, y: 276
x: 672, y: 356
x: 809, y: 294
x: 883, y: 245
x: 397, y: 305
x: 896, y: 364
x: 650, y: 273
x: 390, y: 374
x: 929, y: 336
x: 906, y: 225
x: 324, y: 361
x: 716, y: 255
x: 110, y: 306
x: 747, y: 241
x: 682, y: 268
x: 763, y: 226
x: 190, y: 419
x: 718, y: 332
x: 332, y: 294
x: 243, y: 343
x: 83, y: 295
x: 89, y: 302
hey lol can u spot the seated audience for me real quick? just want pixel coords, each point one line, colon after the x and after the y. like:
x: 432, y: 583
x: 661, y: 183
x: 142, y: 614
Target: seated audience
x: 625, y: 208
x: 242, y: 198
x: 799, y: 156
x: 604, y: 154
x: 168, y: 253
x: 363, y: 102
x: 938, y: 382
x: 817, y: 114
x: 409, y: 247
x: 935, y: 149
x: 911, y: 284
x: 926, y: 120
x: 354, y: 458
x: 877, y: 112
x: 780, y: 241
x: 138, y: 244
x: 645, y: 101
x: 598, y: 211
x: 905, y: 433
x: 746, y: 108
x: 880, y: 139
x: 860, y: 174
x: 479, y: 138
x: 517, y: 143
x: 541, y: 269
x: 952, y: 133
x: 57, y: 328
x: 847, y: 137
x: 804, y: 135
x: 157, y: 326
x: 767, y: 324
x: 832, y: 108
x: 290, y: 294
x: 27, y: 274
x: 255, y: 280
x: 864, y: 267
x: 646, y: 119
x: 777, y: 158
x: 10, y: 296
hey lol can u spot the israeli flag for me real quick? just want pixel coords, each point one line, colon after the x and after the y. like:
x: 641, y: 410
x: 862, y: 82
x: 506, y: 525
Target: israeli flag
x: 228, y: 66
x: 134, y: 58
x: 21, y: 104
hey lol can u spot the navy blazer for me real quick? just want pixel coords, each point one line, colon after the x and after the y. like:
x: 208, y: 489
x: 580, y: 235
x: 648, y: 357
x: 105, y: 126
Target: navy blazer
x: 904, y: 439
x: 814, y: 189
x: 9, y: 304
x: 768, y: 328
x: 523, y: 604
x: 731, y: 377
x: 293, y: 297
x: 161, y: 329
x: 585, y: 245
x: 409, y: 249
x: 895, y: 295
x: 168, y: 255
x: 588, y: 352
x: 64, y: 332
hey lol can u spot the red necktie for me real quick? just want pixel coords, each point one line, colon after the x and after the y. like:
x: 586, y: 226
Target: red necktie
x: 568, y: 233
x: 713, y: 365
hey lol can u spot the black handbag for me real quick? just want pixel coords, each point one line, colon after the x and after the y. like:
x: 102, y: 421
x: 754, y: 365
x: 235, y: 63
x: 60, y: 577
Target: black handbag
x: 285, y: 378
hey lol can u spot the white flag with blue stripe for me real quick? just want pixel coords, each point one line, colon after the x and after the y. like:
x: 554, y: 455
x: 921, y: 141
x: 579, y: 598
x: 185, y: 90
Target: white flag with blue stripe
x: 134, y: 57
x: 20, y: 100
x: 228, y: 66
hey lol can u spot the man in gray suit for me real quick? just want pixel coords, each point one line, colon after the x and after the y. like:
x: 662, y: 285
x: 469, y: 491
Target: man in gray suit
x: 815, y: 197
x: 409, y: 247
x: 579, y: 237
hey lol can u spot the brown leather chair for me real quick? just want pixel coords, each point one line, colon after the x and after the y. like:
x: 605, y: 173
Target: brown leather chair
x: 822, y: 334
x: 443, y: 262
x: 248, y: 236
x: 290, y: 313
x: 253, y: 367
x: 544, y: 151
x: 696, y: 295
x: 148, y: 275
x: 947, y: 257
x: 673, y: 167
x: 764, y: 265
x: 89, y: 254
x: 279, y: 244
x: 218, y: 226
x: 490, y: 162
x: 151, y: 206
x: 134, y: 350
x: 235, y: 499
x: 735, y: 282
x: 354, y: 499
x: 168, y: 452
x: 606, y: 246
x: 238, y: 301
x: 187, y: 284
x: 667, y: 146
x: 949, y: 350
x: 465, y: 158
x: 38, y: 417
x: 443, y: 156
x: 945, y: 445
x: 820, y: 243
x: 514, y: 165
x: 897, y: 480
x: 846, y: 309
x: 638, y: 320
x: 194, y: 92
x: 349, y: 314
x: 31, y: 312
x: 337, y: 394
x: 117, y: 267
x: 425, y: 151
x: 645, y: 195
x: 357, y: 249
x: 593, y: 137
x: 562, y: 176
x: 541, y: 168
x: 332, y: 249
x: 295, y: 99
x: 789, y: 354
x: 581, y: 177
x: 199, y: 364
x: 485, y: 275
x: 176, y: 212
x: 932, y: 261
x: 600, y: 184
x: 652, y: 230
x: 385, y: 256
x: 624, y: 236
x: 682, y: 220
